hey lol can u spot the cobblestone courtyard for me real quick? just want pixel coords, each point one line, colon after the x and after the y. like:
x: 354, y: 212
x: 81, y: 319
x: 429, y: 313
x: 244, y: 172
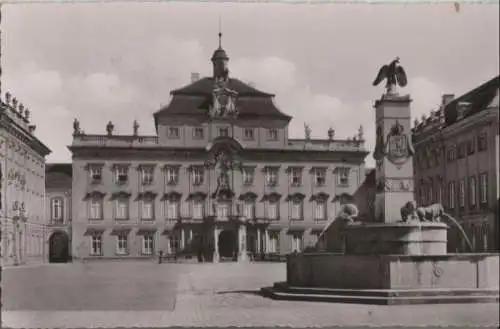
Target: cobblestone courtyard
x: 146, y: 294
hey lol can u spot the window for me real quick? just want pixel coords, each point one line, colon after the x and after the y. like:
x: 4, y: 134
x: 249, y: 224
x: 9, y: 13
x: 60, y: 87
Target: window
x: 95, y: 174
x: 173, y: 132
x: 271, y: 176
x: 172, y: 175
x: 297, y: 240
x: 248, y: 134
x: 96, y: 245
x: 274, y: 242
x: 121, y: 243
x: 96, y: 208
x: 223, y: 132
x: 272, y: 134
x: 296, y: 210
x: 198, y: 175
x: 147, y: 175
x: 472, y: 191
x: 198, y: 133
x: 451, y: 195
x: 197, y: 209
x: 121, y: 174
x: 121, y: 208
x: 272, y: 210
x: 249, y: 209
x: 451, y: 154
x: 248, y: 176
x: 343, y: 176
x: 482, y: 143
x: 148, y: 244
x: 422, y: 196
x: 461, y: 150
x: 147, y: 210
x: 222, y: 211
x: 430, y: 193
x: 173, y: 209
x: 296, y: 176
x: 483, y: 188
x: 320, y: 177
x: 57, y: 209
x: 320, y: 210
x: 439, y: 194
x: 471, y: 146
x: 461, y: 193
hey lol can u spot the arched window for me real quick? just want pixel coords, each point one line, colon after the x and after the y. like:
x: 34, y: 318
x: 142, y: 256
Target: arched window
x: 57, y: 209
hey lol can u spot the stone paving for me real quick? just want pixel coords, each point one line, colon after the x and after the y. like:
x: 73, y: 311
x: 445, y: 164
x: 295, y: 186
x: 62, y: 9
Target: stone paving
x: 224, y: 295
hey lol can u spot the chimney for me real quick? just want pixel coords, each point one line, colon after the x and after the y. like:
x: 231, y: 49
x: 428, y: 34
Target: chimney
x: 195, y: 76
x: 447, y: 98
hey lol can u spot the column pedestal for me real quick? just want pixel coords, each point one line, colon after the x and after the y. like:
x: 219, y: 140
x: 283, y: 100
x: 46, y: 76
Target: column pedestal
x: 216, y: 245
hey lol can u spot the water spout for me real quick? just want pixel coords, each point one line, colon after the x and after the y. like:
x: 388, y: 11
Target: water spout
x: 460, y: 228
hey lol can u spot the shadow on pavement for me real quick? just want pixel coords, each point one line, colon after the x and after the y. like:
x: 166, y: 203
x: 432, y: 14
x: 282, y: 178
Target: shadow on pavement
x: 243, y: 292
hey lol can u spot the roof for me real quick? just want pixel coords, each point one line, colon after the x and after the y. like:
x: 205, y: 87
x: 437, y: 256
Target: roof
x: 483, y: 97
x: 195, y: 99
x: 58, y: 175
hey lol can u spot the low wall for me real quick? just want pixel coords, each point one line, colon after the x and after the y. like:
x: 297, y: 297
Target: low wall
x: 393, y: 271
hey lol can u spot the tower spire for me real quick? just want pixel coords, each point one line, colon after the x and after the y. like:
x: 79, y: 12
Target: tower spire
x: 220, y: 32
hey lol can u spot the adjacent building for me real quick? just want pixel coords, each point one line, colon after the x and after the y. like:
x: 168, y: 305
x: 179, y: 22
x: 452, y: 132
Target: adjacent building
x: 58, y: 181
x: 22, y: 181
x: 220, y: 180
x: 457, y: 164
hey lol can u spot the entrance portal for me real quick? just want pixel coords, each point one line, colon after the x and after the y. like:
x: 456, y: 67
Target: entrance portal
x: 227, y: 244
x: 59, y: 248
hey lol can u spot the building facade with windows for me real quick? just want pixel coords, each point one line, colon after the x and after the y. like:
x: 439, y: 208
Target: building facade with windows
x: 58, y: 182
x: 22, y: 182
x: 456, y: 164
x: 221, y: 179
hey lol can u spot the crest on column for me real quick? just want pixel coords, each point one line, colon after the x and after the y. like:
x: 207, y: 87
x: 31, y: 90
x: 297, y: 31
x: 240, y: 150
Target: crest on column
x: 223, y: 103
x: 398, y: 147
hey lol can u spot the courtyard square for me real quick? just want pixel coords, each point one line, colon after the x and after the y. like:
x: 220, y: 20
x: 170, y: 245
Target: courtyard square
x: 146, y: 294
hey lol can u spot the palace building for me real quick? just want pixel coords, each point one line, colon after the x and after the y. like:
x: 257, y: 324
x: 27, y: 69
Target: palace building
x: 22, y: 182
x: 456, y: 163
x: 221, y: 179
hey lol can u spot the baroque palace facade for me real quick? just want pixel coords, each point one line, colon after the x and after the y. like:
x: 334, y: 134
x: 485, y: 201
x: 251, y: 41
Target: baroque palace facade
x: 456, y: 163
x: 22, y: 181
x: 221, y: 180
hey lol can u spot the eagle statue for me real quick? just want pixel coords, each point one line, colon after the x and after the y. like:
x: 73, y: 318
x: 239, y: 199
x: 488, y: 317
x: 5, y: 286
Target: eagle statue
x: 395, y: 75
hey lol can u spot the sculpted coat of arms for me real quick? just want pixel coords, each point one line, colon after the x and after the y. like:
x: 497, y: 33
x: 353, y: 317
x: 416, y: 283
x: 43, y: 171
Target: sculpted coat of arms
x: 398, y: 146
x: 223, y: 103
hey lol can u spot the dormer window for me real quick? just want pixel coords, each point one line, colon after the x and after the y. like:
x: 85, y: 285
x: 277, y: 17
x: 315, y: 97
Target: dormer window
x: 319, y: 176
x: 272, y: 134
x: 121, y: 174
x: 173, y: 132
x: 95, y: 174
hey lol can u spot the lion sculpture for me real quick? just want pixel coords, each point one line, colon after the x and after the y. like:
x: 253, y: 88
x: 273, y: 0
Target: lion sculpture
x: 409, y: 211
x: 431, y: 213
x: 348, y: 212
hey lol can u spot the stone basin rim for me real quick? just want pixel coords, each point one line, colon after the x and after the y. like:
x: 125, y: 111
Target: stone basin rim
x: 397, y: 225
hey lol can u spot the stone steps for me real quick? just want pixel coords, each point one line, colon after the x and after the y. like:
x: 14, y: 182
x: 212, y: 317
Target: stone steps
x: 280, y: 291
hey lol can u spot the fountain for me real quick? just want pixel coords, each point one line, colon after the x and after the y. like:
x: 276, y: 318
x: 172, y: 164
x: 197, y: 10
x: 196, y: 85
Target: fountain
x: 399, y: 256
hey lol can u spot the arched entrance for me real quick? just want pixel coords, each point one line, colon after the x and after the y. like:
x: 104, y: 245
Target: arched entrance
x: 227, y: 244
x: 59, y: 247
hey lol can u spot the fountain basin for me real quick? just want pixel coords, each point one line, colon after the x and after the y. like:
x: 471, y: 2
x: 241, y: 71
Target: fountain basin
x: 390, y: 279
x: 411, y: 238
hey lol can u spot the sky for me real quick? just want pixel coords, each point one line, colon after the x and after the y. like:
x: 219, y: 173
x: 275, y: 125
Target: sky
x: 117, y: 62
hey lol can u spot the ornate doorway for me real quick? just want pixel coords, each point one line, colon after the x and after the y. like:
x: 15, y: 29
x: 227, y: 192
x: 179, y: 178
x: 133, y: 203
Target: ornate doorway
x: 59, y: 248
x: 227, y: 245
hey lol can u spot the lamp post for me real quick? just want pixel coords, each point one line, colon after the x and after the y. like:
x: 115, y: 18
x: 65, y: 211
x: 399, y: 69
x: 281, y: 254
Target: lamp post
x: 19, y: 216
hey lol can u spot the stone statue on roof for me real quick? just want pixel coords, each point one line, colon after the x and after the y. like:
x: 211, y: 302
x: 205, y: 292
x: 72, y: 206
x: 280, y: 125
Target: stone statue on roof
x: 307, y: 130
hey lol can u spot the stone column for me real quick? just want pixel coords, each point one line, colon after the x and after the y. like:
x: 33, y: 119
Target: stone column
x: 393, y: 152
x: 167, y: 249
x: 266, y: 241
x: 216, y: 245
x: 259, y: 238
x: 242, y: 235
